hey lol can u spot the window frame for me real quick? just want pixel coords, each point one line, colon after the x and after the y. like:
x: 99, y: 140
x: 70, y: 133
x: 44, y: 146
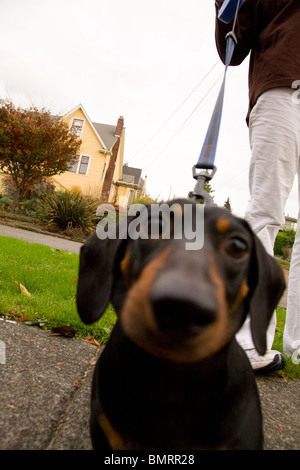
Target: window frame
x: 75, y: 127
x: 80, y: 156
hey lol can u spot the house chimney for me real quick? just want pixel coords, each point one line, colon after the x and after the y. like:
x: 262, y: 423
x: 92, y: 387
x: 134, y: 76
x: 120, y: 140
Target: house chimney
x: 120, y: 126
x: 108, y: 180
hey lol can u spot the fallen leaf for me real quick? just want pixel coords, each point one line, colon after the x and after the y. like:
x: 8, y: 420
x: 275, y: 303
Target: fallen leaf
x: 23, y: 289
x: 78, y: 383
x: 67, y: 331
x: 91, y: 341
x: 57, y: 428
x: 23, y: 318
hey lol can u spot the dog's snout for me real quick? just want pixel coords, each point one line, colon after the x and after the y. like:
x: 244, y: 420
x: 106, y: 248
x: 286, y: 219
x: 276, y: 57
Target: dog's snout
x: 183, y: 308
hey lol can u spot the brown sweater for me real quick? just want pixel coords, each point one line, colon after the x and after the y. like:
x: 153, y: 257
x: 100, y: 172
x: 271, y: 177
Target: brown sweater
x: 270, y: 29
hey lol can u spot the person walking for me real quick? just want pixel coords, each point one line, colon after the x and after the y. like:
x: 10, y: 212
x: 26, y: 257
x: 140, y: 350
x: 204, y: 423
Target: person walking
x: 269, y: 30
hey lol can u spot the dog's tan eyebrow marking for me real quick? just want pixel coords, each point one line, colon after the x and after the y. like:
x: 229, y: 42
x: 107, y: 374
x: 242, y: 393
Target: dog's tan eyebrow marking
x: 240, y: 296
x: 223, y: 225
x: 124, y: 265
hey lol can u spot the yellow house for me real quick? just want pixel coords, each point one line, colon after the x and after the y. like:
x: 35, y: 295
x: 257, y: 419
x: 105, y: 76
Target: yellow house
x: 98, y: 169
x: 101, y: 144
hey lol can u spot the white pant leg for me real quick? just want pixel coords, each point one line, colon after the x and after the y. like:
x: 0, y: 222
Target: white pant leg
x: 274, y: 129
x: 291, y: 335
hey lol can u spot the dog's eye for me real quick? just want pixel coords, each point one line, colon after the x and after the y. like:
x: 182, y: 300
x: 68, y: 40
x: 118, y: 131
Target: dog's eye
x: 236, y: 247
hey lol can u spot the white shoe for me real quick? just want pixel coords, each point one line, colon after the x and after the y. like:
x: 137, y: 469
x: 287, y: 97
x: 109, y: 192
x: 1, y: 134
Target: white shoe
x: 270, y: 362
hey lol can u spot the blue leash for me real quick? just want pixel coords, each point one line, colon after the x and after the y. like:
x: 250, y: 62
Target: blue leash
x: 209, y: 148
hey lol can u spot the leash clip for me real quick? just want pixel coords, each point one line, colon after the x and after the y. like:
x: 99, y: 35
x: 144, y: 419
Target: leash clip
x: 199, y: 191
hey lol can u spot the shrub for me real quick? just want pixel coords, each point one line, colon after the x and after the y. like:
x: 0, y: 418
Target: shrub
x: 5, y: 202
x: 76, y: 189
x: 144, y: 199
x: 42, y: 188
x: 285, y: 238
x: 67, y: 210
x: 28, y: 205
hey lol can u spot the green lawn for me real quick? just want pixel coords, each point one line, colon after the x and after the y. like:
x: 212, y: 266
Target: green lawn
x: 50, y: 276
x: 291, y: 370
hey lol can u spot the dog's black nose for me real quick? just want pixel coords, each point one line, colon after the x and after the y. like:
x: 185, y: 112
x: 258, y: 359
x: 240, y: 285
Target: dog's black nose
x: 182, y: 307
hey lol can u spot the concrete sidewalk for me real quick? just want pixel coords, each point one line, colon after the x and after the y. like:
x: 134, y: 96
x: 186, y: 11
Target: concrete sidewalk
x: 45, y: 394
x: 45, y: 380
x: 45, y: 389
x: 42, y: 238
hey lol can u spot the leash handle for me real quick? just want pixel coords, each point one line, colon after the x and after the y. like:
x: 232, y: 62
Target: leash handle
x: 227, y: 10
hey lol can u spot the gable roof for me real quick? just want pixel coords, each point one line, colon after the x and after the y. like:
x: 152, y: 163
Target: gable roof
x: 135, y: 173
x: 107, y: 134
x: 104, y: 132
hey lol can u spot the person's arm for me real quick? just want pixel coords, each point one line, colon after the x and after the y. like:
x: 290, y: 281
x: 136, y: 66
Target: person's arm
x: 244, y: 29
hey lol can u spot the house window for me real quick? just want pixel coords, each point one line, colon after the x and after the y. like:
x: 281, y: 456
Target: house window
x: 74, y: 167
x: 84, y: 163
x: 77, y: 126
x: 80, y: 166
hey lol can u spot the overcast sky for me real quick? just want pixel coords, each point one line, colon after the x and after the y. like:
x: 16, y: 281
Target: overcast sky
x: 155, y: 63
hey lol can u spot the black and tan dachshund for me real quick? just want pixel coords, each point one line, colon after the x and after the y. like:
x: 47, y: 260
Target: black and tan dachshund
x: 172, y: 375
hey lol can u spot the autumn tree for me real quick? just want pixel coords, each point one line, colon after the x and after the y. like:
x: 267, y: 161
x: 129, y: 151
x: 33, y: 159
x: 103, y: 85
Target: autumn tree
x: 33, y: 145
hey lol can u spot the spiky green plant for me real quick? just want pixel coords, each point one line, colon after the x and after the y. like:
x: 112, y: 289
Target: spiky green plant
x: 68, y: 210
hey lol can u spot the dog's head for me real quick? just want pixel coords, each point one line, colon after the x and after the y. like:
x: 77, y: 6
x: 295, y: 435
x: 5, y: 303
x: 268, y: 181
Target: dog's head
x: 176, y: 302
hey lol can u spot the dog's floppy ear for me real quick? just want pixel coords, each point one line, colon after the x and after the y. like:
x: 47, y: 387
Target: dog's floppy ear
x: 267, y: 285
x: 96, y: 276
